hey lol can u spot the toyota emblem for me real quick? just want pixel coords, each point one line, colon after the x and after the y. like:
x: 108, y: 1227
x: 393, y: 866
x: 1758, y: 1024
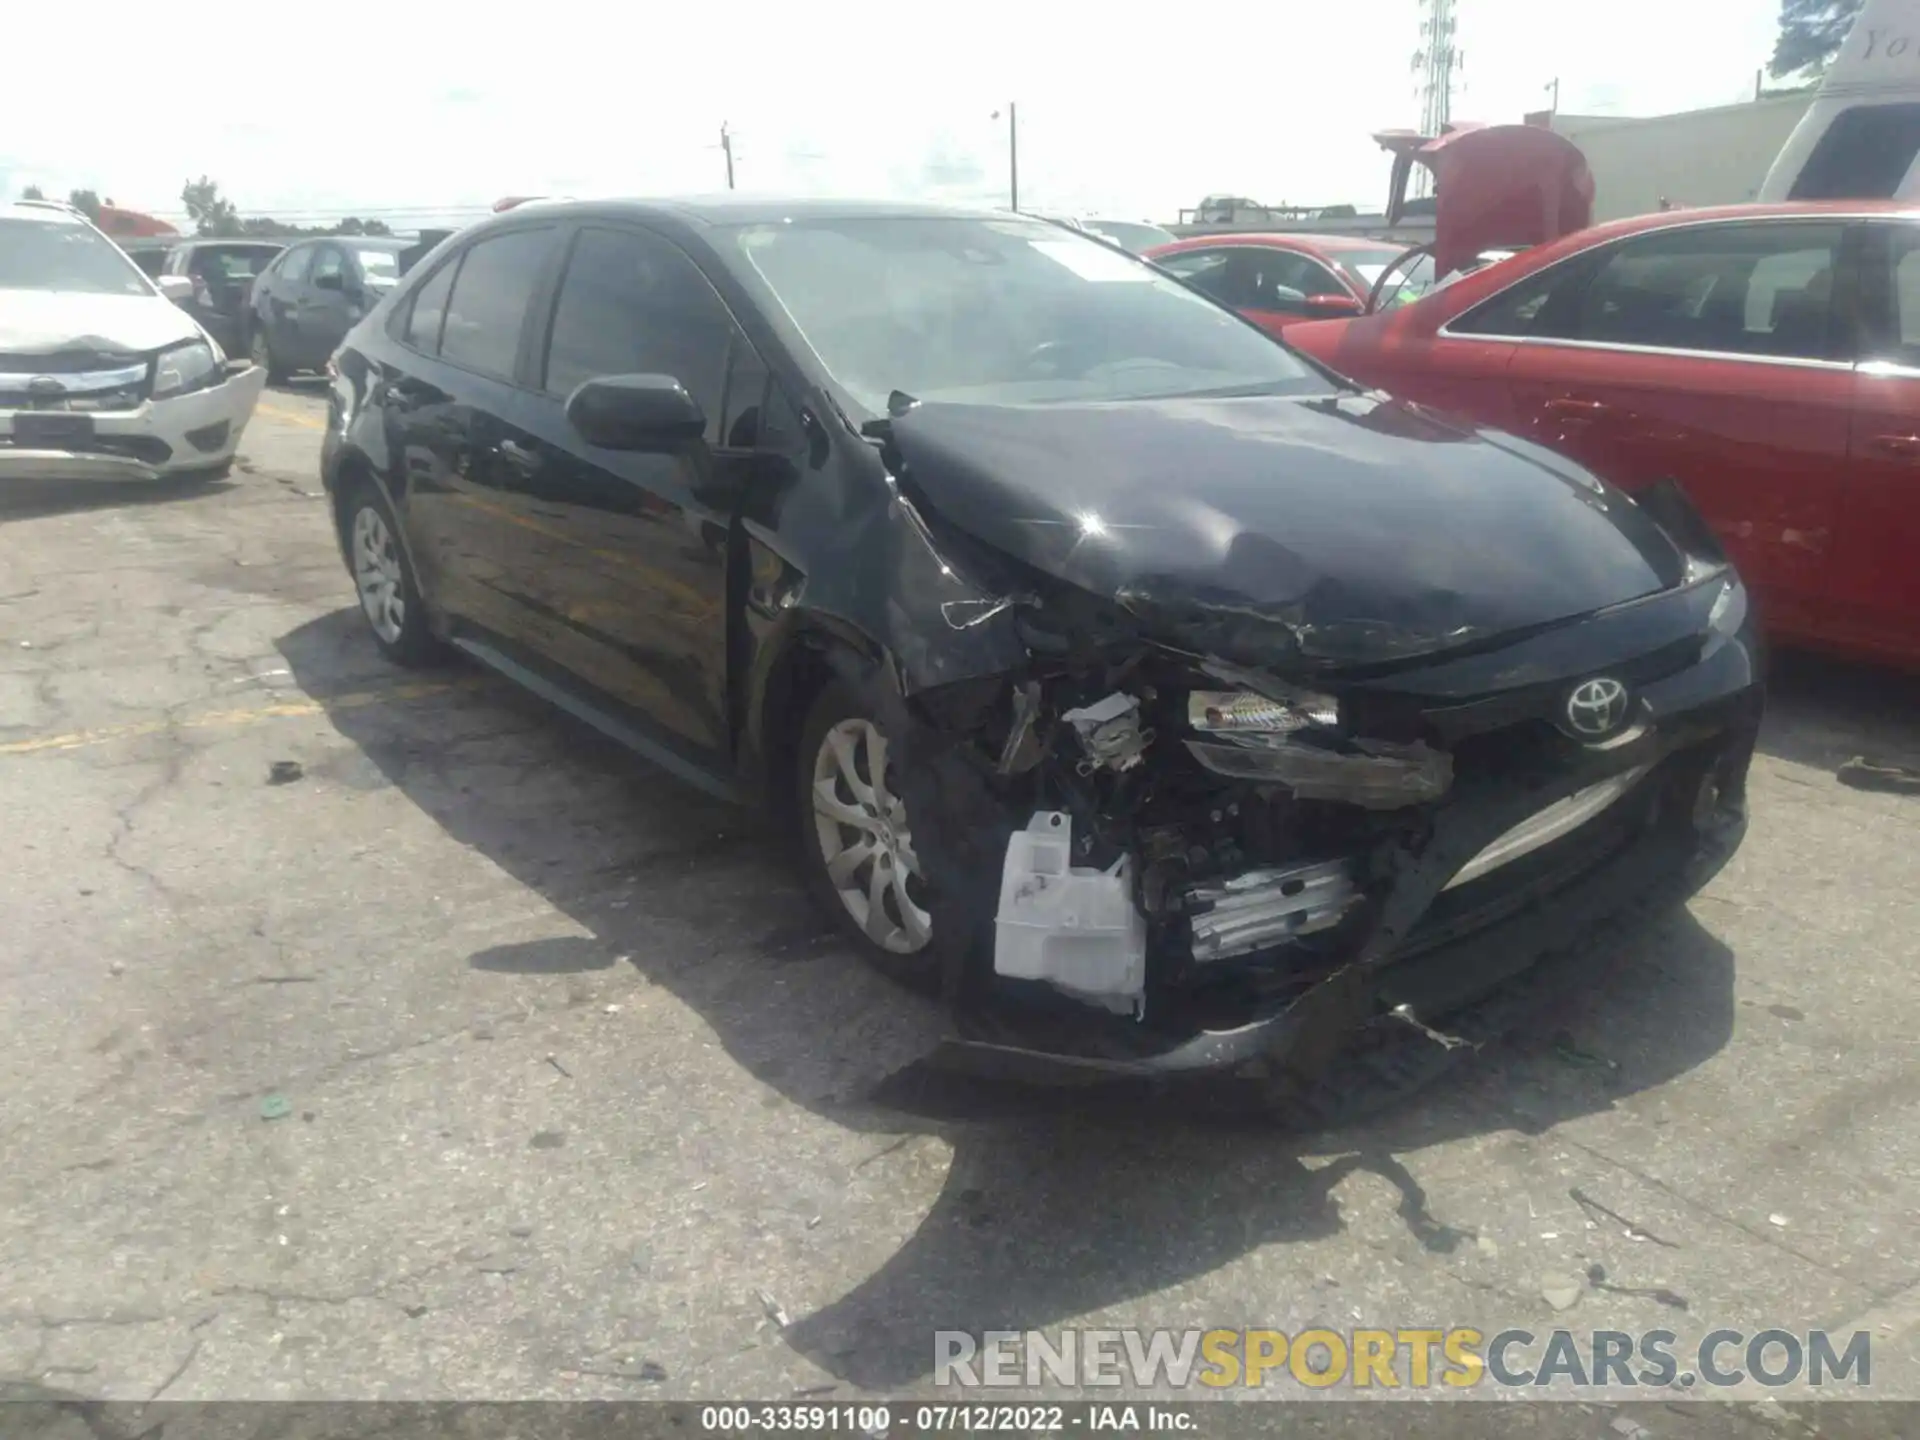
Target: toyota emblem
x: 1597, y: 707
x: 46, y: 385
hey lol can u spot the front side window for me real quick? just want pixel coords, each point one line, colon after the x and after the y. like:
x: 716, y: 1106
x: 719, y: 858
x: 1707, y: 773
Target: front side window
x: 488, y: 307
x: 330, y: 264
x: 998, y: 311
x: 294, y: 268
x: 1760, y: 289
x: 56, y: 255
x: 634, y: 304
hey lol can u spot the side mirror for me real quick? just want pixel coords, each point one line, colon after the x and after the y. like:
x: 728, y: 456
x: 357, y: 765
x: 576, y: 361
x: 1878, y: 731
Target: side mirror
x: 1326, y: 307
x: 177, y: 288
x: 333, y: 280
x: 635, y: 412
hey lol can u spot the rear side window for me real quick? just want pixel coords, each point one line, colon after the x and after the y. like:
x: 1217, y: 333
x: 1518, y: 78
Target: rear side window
x: 634, y: 304
x: 489, y: 303
x: 1516, y: 310
x: 1865, y: 153
x: 1899, y: 316
x: 1761, y: 289
x: 429, y: 309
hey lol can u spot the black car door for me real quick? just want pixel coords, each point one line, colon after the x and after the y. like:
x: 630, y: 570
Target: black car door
x: 620, y: 558
x: 274, y: 298
x: 324, y: 311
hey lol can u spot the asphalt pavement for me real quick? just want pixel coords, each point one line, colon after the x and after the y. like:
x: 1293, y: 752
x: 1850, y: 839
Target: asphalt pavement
x: 382, y: 1035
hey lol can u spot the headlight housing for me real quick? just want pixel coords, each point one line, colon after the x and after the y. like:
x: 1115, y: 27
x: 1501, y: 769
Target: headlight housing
x: 1728, y: 616
x: 191, y: 366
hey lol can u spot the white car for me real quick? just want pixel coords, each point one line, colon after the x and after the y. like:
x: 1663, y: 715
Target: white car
x: 102, y: 375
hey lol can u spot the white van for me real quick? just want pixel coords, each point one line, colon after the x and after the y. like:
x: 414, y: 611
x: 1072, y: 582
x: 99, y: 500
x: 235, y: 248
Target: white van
x: 1860, y: 138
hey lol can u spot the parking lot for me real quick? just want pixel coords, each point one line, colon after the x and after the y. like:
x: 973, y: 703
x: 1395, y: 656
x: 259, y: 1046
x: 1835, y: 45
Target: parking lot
x: 388, y: 1035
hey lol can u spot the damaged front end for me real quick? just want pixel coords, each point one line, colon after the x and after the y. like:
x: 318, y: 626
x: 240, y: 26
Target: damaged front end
x: 1147, y: 859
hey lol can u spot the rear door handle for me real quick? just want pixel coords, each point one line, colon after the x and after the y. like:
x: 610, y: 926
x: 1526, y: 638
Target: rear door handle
x: 1905, y: 446
x: 1566, y: 407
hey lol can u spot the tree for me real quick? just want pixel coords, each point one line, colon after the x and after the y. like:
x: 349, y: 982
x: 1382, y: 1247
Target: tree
x: 86, y: 202
x: 1811, y: 34
x: 354, y: 225
x: 211, y: 212
x: 33, y: 192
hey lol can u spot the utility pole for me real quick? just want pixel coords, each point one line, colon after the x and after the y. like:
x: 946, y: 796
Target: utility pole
x: 1435, y: 62
x: 1013, y: 153
x: 726, y: 145
x: 1013, y: 156
x: 1554, y: 87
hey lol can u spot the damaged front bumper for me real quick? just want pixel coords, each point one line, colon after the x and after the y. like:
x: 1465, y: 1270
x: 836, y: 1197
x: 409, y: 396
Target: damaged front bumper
x: 147, y: 439
x: 1536, y: 844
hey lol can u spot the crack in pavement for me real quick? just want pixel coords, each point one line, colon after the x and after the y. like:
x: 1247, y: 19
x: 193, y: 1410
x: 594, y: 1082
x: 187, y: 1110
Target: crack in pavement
x: 1751, y: 1231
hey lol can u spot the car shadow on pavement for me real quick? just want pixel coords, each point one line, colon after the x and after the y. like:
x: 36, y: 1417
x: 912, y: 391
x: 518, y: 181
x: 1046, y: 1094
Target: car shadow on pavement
x: 1822, y: 711
x: 34, y: 499
x: 1057, y: 1203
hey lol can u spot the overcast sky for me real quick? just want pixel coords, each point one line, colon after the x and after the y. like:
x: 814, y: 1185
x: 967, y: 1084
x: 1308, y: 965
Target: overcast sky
x: 406, y: 108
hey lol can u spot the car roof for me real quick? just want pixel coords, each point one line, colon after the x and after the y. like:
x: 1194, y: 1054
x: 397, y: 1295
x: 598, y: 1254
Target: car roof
x: 300, y: 242
x: 1312, y: 243
x: 734, y: 209
x: 52, y: 212
x: 1786, y: 210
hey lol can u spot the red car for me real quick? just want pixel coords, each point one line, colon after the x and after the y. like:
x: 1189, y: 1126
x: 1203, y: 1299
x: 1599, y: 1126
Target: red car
x: 1279, y: 280
x: 1765, y: 357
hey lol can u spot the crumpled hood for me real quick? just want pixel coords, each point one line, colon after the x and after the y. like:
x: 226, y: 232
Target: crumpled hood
x: 1338, y: 530
x: 36, y: 322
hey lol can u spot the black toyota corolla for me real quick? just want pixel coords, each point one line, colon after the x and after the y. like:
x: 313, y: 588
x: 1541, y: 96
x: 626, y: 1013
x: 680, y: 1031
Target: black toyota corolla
x: 1163, y: 701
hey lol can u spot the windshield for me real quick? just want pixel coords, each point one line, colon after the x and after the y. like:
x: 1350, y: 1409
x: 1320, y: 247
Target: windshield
x: 1412, y: 280
x: 1001, y: 311
x: 59, y: 255
x: 233, y: 262
x: 1409, y: 283
x: 380, y: 266
x: 1134, y: 237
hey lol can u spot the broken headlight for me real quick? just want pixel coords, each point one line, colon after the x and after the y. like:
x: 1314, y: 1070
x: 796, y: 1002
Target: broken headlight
x: 1373, y: 774
x: 191, y: 366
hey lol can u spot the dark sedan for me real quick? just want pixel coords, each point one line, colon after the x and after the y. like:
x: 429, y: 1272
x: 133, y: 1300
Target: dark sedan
x: 305, y: 302
x: 1166, y: 703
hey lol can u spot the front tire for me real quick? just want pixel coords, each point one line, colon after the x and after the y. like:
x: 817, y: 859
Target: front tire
x: 855, y: 838
x: 260, y: 351
x: 384, y: 581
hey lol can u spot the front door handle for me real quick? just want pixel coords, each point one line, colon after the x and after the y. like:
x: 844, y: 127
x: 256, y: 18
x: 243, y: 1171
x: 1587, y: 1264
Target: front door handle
x: 517, y: 456
x: 1566, y: 407
x: 1907, y: 447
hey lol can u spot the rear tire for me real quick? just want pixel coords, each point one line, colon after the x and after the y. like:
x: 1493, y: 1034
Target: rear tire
x: 383, y: 580
x: 855, y: 840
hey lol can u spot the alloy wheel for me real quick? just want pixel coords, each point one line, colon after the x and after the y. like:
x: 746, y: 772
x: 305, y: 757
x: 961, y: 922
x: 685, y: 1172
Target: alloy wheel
x: 865, y: 840
x: 378, y: 576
